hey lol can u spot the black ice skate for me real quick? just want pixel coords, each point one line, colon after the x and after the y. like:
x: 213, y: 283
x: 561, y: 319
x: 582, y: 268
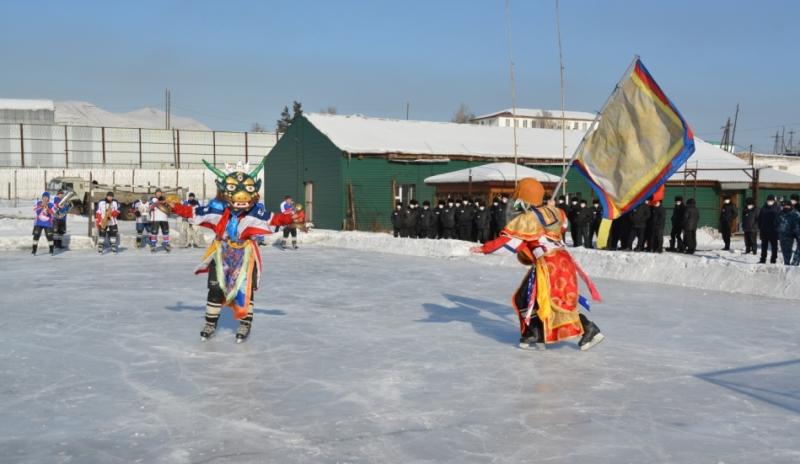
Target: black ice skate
x: 532, y: 339
x: 167, y: 248
x: 208, y: 331
x: 591, y: 334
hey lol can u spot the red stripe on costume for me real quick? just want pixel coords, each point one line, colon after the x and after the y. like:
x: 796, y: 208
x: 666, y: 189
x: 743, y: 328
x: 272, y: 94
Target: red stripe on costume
x: 493, y: 245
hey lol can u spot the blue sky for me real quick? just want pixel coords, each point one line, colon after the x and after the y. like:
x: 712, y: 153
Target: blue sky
x: 233, y: 63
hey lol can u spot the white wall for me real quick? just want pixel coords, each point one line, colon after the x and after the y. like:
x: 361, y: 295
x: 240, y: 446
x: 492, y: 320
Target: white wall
x: 29, y: 183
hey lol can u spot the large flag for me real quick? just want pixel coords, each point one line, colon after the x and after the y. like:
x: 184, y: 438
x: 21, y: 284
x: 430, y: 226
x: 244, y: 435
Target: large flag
x: 640, y: 141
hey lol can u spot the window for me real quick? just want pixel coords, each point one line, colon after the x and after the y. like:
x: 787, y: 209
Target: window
x: 508, y: 123
x: 525, y: 123
x: 404, y: 192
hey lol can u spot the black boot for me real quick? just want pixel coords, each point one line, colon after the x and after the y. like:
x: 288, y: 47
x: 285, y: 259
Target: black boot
x: 591, y: 334
x: 51, y: 250
x: 33, y: 252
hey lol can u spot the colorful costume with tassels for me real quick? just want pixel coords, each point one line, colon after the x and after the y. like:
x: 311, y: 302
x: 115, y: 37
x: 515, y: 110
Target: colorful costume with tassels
x: 547, y: 300
x: 233, y: 260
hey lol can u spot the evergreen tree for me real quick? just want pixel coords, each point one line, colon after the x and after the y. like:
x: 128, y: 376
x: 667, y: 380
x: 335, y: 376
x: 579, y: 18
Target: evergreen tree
x: 285, y: 121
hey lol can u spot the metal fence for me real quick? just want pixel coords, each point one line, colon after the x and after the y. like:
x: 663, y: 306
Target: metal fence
x: 35, y: 145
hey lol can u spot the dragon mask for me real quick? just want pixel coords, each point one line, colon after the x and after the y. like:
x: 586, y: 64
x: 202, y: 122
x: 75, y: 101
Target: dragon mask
x: 238, y: 187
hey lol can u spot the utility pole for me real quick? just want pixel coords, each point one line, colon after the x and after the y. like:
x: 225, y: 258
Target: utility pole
x: 726, y: 136
x: 167, y: 109
x: 783, y: 140
x: 791, y: 141
x: 733, y: 133
x: 775, y: 147
x: 408, y: 107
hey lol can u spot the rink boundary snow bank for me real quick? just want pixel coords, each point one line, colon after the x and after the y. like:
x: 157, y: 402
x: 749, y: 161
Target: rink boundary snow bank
x: 710, y: 272
x: 699, y: 272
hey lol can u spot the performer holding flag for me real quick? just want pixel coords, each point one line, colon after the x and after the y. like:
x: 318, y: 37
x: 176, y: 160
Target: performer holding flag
x: 547, y: 299
x: 640, y: 141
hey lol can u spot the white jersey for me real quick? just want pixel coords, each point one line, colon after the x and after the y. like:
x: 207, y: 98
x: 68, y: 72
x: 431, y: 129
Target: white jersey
x: 156, y: 215
x: 104, y: 206
x: 143, y: 209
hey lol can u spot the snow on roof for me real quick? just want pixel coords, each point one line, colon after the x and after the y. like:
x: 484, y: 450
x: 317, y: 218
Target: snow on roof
x: 492, y: 172
x: 363, y: 135
x: 707, y: 156
x: 540, y: 113
x: 30, y: 105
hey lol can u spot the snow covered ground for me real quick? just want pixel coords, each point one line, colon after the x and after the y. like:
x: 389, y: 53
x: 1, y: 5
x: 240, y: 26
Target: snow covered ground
x: 709, y: 269
x: 365, y: 356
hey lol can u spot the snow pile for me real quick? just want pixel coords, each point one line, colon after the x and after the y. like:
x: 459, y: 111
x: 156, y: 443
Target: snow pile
x: 78, y: 113
x: 707, y: 270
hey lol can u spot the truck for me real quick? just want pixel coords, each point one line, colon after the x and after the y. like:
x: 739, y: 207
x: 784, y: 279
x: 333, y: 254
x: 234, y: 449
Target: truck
x: 89, y: 192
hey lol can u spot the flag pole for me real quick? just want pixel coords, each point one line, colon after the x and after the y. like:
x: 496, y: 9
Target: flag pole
x: 593, y: 124
x: 513, y: 87
x: 561, y: 76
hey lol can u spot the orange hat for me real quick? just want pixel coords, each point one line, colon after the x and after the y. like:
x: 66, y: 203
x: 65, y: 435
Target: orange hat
x: 530, y: 190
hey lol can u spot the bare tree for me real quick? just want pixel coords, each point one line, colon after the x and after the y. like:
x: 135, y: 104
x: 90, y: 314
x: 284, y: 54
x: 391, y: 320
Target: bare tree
x: 463, y: 115
x: 329, y: 110
x: 257, y: 127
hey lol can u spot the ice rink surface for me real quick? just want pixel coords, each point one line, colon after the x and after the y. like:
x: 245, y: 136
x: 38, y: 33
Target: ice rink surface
x: 368, y: 357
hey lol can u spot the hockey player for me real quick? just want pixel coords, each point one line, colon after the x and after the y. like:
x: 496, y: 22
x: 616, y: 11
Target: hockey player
x: 106, y: 219
x: 233, y: 260
x: 547, y: 300
x: 43, y: 221
x: 141, y: 211
x: 159, y: 219
x: 188, y: 230
x: 60, y: 220
x: 297, y: 219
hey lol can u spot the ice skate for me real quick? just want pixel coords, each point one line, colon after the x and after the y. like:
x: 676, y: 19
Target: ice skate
x: 167, y: 248
x: 243, y: 332
x: 532, y: 339
x: 208, y: 331
x: 591, y: 335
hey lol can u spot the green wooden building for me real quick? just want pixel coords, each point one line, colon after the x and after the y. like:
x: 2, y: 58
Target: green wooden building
x: 349, y: 170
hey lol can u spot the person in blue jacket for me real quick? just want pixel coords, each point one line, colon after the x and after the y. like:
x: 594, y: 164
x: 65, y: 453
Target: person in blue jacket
x: 60, y: 220
x: 44, y: 213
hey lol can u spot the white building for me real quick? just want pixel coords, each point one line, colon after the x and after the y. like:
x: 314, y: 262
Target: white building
x: 18, y: 111
x: 537, y: 118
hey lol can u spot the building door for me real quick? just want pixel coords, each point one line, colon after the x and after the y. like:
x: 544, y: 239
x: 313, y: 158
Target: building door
x: 309, y: 197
